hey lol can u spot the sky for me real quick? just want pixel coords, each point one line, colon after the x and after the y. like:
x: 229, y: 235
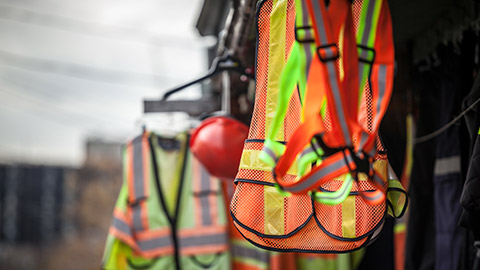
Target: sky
x: 73, y: 70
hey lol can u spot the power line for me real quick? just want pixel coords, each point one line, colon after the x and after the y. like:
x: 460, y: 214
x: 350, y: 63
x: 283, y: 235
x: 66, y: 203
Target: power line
x: 446, y: 126
x: 58, y: 114
x: 68, y: 24
x: 81, y: 71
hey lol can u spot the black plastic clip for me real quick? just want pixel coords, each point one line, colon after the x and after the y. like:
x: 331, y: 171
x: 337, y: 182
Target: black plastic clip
x: 370, y: 51
x: 307, y: 34
x: 328, y: 52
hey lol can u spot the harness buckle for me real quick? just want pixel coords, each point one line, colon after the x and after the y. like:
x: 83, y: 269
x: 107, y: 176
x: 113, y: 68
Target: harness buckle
x: 369, y: 52
x: 328, y: 52
x: 308, y: 37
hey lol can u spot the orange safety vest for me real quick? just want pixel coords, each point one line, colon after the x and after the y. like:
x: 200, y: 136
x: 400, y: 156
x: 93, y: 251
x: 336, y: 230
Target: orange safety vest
x: 177, y: 219
x: 349, y: 143
x: 298, y: 223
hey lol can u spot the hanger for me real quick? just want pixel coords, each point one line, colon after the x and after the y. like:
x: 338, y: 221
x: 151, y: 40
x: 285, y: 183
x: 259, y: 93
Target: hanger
x: 219, y: 64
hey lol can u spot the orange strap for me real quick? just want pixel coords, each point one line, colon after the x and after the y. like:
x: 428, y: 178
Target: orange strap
x: 323, y: 82
x: 138, y: 175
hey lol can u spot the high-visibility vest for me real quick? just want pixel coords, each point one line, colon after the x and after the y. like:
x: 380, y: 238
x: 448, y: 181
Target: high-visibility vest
x: 170, y: 213
x: 261, y: 213
x: 246, y: 256
x: 348, y: 136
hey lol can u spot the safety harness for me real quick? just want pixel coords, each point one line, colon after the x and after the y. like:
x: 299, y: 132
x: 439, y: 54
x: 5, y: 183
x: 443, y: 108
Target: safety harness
x: 302, y: 222
x: 340, y: 132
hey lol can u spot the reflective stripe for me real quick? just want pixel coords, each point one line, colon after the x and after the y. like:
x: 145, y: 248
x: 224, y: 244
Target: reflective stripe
x: 250, y: 252
x: 121, y: 226
x: 363, y: 139
x: 320, y: 173
x: 444, y: 166
x: 138, y: 168
x: 318, y: 16
x: 270, y: 153
x: 338, y: 196
x: 382, y: 86
x: 155, y: 243
x: 338, y: 102
x: 331, y: 70
x: 137, y: 217
x: 349, y: 217
x: 306, y: 47
x: 139, y: 182
x: 203, y: 240
x: 204, y: 199
x: 368, y: 25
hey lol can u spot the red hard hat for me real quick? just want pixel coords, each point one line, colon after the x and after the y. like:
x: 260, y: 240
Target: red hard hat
x: 218, y: 143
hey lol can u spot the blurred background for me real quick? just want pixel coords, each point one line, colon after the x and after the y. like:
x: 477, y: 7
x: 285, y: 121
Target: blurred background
x: 73, y: 75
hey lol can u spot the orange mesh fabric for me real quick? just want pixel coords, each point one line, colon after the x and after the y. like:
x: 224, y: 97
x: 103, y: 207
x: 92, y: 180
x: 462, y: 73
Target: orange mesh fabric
x: 294, y: 223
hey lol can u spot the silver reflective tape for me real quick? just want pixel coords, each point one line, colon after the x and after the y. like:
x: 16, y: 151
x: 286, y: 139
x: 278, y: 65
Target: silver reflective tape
x: 319, y: 19
x: 137, y: 217
x: 121, y: 226
x: 368, y: 26
x: 307, y: 151
x: 382, y: 85
x: 341, y: 194
x: 158, y: 242
x: 360, y: 76
x: 363, y: 139
x: 203, y: 240
x: 205, y: 208
x: 338, y: 101
x: 252, y: 253
x: 270, y: 153
x: 444, y: 166
x: 138, y: 167
x: 204, y: 195
x: 306, y: 47
x: 310, y: 181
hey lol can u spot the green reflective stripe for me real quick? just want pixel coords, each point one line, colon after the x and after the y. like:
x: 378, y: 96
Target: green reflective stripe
x: 271, y: 151
x: 203, y: 240
x: 288, y: 79
x: 336, y: 197
x: 268, y: 156
x: 366, y: 36
x: 305, y: 162
x: 309, y: 156
x: 319, y: 174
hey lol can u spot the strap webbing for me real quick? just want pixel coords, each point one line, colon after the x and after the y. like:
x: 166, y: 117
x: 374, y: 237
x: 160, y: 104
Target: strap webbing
x: 138, y: 175
x: 324, y: 80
